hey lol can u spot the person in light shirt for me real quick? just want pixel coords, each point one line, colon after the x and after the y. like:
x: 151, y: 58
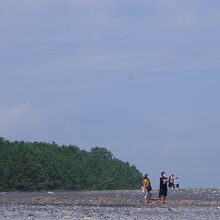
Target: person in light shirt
x: 177, y: 182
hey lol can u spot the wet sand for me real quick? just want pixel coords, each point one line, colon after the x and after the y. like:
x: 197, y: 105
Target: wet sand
x: 183, y: 204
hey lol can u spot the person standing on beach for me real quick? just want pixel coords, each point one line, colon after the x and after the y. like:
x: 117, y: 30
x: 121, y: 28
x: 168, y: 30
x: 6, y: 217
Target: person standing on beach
x: 177, y: 182
x: 147, y: 188
x: 171, y: 183
x: 163, y: 188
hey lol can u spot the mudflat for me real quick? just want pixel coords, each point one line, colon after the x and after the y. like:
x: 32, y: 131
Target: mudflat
x: 183, y: 204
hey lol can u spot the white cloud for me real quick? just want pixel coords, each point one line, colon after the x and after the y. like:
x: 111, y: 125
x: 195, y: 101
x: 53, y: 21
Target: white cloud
x: 10, y: 116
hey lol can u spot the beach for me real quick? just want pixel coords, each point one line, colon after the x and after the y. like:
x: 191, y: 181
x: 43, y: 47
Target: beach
x: 183, y: 204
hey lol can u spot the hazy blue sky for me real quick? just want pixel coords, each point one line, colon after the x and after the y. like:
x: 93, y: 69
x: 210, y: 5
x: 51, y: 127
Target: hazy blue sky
x: 139, y: 77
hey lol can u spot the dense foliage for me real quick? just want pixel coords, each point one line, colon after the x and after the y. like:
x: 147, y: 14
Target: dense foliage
x: 45, y: 166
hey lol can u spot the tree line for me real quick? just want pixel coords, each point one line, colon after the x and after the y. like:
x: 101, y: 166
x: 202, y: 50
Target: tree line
x: 27, y: 166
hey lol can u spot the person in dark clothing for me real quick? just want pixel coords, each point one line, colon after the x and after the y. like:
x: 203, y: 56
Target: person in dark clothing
x: 163, y: 188
x: 171, y: 182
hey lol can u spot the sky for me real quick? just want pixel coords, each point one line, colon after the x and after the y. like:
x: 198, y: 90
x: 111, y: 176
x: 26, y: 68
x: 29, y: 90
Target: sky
x: 138, y: 77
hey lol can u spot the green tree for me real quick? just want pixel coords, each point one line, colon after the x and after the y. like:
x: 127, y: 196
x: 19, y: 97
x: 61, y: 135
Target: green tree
x: 48, y: 166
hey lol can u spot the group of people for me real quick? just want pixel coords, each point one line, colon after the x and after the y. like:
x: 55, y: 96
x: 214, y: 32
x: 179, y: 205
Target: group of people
x: 174, y: 182
x: 164, y: 183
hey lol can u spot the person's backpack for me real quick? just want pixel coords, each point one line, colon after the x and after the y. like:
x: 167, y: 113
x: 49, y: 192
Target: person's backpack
x: 149, y: 188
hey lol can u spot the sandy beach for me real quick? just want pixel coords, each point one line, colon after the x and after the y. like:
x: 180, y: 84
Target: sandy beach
x: 183, y: 204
